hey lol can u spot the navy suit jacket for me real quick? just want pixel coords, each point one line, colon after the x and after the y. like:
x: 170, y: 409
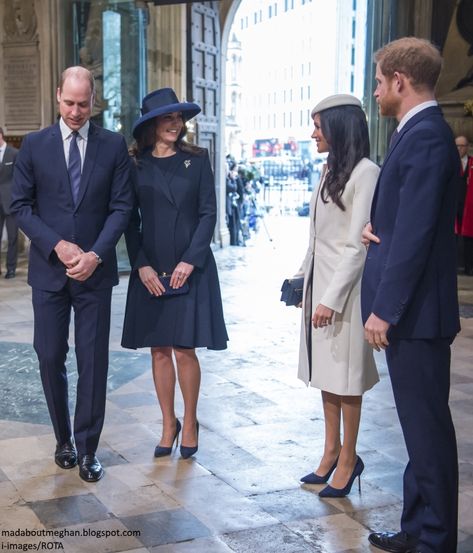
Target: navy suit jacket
x: 409, y: 279
x: 42, y: 203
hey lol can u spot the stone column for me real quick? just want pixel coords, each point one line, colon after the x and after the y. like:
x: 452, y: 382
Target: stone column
x: 423, y: 18
x: 167, y: 48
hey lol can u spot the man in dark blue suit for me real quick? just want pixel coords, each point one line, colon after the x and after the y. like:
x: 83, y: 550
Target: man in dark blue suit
x: 72, y: 197
x: 7, y: 163
x: 409, y: 290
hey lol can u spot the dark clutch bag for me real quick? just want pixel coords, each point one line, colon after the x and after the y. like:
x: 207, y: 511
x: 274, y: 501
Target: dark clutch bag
x: 291, y: 290
x: 168, y: 290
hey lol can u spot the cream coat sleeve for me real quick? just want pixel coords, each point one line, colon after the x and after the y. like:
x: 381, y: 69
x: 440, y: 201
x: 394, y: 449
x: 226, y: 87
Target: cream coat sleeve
x: 350, y: 264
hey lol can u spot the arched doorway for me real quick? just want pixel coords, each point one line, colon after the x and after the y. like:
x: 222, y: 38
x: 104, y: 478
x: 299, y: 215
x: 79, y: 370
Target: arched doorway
x: 289, y: 76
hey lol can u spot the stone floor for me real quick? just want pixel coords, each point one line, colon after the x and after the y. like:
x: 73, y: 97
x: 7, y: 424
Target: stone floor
x: 261, y: 429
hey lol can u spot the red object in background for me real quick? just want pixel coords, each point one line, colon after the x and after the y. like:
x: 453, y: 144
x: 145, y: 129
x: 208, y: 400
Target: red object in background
x: 266, y: 147
x: 467, y: 222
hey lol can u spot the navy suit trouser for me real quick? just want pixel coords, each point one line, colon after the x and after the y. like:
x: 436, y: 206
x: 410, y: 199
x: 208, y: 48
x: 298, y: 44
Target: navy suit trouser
x: 12, y: 233
x: 52, y: 315
x: 420, y: 376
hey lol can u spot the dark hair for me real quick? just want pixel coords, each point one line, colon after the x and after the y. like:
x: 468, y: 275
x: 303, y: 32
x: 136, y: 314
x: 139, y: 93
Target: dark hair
x: 417, y: 58
x: 1, y: 131
x: 346, y: 132
x: 147, y: 139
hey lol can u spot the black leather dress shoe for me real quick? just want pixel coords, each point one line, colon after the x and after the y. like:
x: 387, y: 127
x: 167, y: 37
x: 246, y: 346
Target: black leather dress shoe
x: 66, y: 455
x: 400, y: 542
x: 90, y: 468
x: 10, y: 274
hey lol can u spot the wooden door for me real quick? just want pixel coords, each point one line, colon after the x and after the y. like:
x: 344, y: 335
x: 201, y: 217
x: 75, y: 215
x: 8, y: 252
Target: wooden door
x: 203, y: 66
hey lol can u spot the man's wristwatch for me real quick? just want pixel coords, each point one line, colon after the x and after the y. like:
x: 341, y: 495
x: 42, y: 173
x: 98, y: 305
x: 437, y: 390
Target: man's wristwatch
x: 97, y: 258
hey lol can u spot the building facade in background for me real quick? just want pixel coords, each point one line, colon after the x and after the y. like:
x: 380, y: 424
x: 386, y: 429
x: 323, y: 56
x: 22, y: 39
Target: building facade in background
x: 234, y: 142
x: 293, y: 53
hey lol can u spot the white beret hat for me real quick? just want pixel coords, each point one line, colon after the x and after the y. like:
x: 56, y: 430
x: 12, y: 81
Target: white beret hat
x: 334, y: 101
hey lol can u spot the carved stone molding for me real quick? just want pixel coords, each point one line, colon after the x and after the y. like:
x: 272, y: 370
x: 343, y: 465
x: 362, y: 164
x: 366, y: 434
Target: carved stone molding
x: 19, y: 21
x: 22, y: 107
x: 452, y: 89
x: 29, y: 65
x: 21, y: 73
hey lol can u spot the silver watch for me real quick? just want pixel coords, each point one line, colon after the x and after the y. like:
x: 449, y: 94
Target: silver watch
x: 97, y: 258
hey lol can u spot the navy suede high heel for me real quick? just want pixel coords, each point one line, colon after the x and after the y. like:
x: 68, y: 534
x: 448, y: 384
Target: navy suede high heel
x: 329, y: 491
x: 313, y: 478
x: 161, y: 451
x: 187, y: 451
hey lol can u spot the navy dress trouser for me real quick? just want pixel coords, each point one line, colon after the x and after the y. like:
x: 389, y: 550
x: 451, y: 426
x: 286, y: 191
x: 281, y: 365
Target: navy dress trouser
x: 52, y: 314
x: 420, y: 375
x: 12, y: 234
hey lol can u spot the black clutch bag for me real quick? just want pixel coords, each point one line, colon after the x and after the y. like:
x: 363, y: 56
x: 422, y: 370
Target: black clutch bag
x: 165, y: 280
x: 291, y: 290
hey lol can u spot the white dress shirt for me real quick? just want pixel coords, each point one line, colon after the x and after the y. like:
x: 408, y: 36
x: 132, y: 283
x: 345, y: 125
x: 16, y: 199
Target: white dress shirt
x: 464, y: 162
x: 414, y: 111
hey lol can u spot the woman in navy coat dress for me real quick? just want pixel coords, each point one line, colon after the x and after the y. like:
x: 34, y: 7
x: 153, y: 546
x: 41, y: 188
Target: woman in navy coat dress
x: 170, y: 232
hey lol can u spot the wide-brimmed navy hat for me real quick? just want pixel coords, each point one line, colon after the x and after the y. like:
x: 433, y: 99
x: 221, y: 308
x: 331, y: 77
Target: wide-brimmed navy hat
x: 161, y: 101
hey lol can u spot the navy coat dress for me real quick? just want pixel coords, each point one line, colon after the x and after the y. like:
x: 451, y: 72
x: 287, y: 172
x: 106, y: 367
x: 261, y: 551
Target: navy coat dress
x: 174, y: 220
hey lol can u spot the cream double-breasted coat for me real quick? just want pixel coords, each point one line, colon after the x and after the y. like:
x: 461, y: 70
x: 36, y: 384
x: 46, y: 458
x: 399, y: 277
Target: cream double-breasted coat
x: 337, y: 358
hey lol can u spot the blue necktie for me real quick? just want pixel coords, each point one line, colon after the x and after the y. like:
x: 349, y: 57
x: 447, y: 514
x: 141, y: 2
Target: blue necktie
x: 74, y: 167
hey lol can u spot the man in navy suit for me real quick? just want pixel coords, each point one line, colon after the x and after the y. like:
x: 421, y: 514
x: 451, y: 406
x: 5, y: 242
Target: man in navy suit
x: 7, y: 162
x: 409, y: 290
x: 72, y: 197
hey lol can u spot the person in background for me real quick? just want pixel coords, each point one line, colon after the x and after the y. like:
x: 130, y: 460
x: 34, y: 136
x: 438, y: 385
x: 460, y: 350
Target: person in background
x: 7, y: 163
x: 465, y: 204
x: 169, y: 238
x: 233, y: 205
x: 409, y: 290
x: 333, y: 354
x: 72, y: 197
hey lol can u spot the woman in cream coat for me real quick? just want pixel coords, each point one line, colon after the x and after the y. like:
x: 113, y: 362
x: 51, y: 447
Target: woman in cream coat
x: 334, y: 356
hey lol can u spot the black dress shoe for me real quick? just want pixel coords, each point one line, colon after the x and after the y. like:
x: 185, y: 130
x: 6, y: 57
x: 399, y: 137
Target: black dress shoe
x: 90, y: 468
x: 400, y: 542
x: 10, y: 274
x: 66, y: 455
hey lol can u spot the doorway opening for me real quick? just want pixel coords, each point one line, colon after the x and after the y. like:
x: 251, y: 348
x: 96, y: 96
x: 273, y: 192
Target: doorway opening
x: 282, y: 57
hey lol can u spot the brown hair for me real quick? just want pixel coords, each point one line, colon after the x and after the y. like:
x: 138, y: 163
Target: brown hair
x: 416, y: 58
x: 147, y: 139
x: 78, y: 72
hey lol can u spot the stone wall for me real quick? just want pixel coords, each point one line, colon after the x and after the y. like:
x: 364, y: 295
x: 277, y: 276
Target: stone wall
x: 29, y: 54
